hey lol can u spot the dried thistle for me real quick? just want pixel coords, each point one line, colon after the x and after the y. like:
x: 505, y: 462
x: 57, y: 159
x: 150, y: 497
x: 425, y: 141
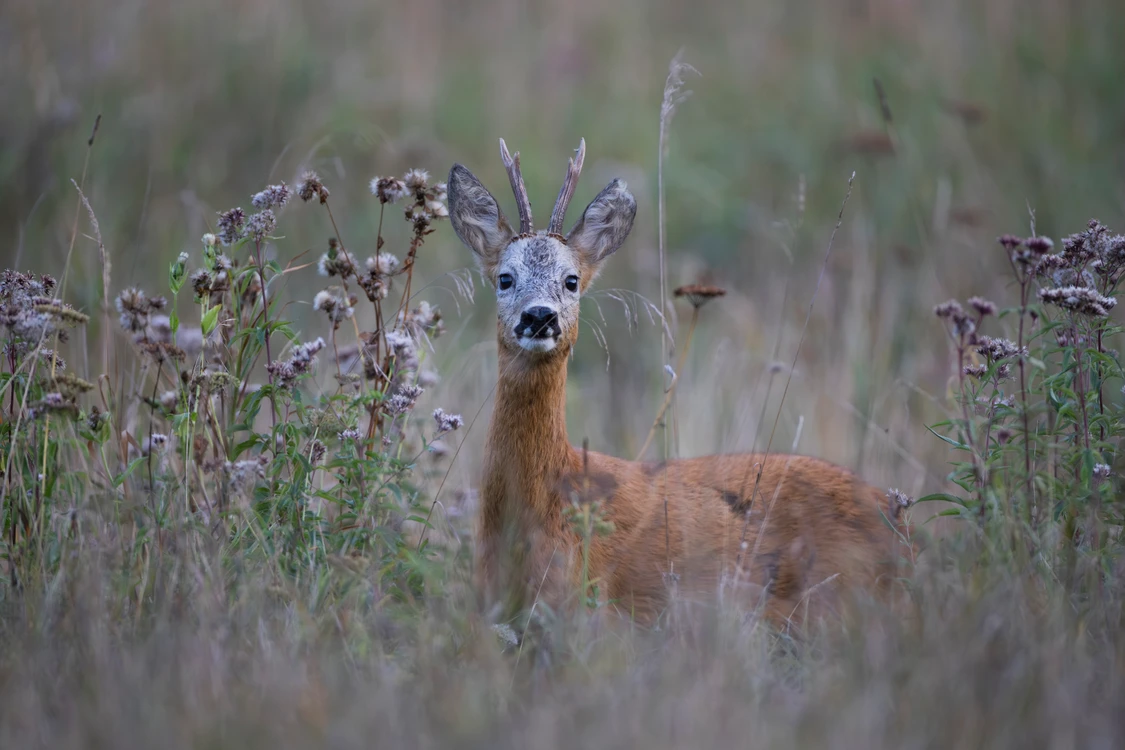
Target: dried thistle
x: 699, y: 294
x: 310, y: 187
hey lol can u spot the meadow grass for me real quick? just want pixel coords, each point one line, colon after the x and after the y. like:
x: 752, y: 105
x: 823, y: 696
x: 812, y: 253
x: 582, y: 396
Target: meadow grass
x: 238, y: 495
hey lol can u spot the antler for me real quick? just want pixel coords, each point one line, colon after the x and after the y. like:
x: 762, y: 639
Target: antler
x: 514, y: 176
x: 573, y: 169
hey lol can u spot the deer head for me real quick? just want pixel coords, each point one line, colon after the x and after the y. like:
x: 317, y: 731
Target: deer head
x: 539, y: 276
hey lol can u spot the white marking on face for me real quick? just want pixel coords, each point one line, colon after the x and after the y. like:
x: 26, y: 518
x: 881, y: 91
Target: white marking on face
x: 538, y: 346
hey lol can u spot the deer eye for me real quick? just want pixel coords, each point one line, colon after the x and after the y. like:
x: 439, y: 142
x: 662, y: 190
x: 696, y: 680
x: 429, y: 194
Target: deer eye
x: 505, y: 281
x: 572, y: 283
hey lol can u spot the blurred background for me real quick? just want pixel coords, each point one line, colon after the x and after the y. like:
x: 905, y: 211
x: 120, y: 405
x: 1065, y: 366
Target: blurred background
x: 994, y: 111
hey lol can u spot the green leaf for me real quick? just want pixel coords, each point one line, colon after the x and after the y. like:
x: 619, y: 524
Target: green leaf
x: 120, y: 478
x: 941, y: 497
x: 174, y: 321
x: 209, y: 320
x: 951, y: 441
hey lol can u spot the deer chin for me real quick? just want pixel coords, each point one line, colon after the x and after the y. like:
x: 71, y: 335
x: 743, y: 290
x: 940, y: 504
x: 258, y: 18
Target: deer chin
x: 538, y: 344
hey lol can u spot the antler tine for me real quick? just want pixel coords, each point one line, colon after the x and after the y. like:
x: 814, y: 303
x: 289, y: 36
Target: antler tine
x: 573, y: 169
x: 523, y: 204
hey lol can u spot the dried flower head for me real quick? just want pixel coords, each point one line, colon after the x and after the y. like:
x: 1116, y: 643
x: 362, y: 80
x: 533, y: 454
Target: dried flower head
x: 699, y: 294
x: 416, y: 180
x: 136, y: 308
x: 274, y: 196
x: 336, y: 263
x: 230, y: 225
x: 1102, y: 470
x: 447, y: 422
x: 261, y: 225
x: 982, y: 306
x: 335, y: 303
x: 388, y: 189
x: 300, y: 362
x: 310, y: 187
x: 1079, y: 299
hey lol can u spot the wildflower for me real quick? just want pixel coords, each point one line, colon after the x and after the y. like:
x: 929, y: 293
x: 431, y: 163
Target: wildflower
x: 136, y: 308
x: 384, y: 264
x: 162, y: 351
x: 335, y: 304
x: 699, y: 294
x: 951, y: 310
x: 388, y: 189
x: 317, y: 450
x: 1101, y: 470
x: 1009, y: 241
x: 900, y: 501
x: 311, y: 187
x: 261, y: 224
x: 982, y: 306
x: 169, y: 399
x: 424, y: 319
x: 975, y: 371
x: 427, y: 378
x: 230, y: 225
x: 242, y: 475
x: 402, y: 400
x: 300, y: 362
x: 336, y: 263
x: 1039, y: 245
x: 1004, y: 371
x: 274, y: 196
x: 351, y: 435
x: 447, y: 422
x: 416, y: 180
x: 405, y: 352
x: 210, y: 240
x: 996, y: 349
x: 1079, y: 299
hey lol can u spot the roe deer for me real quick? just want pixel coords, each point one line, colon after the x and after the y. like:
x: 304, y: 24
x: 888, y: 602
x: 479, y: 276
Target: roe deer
x: 782, y: 523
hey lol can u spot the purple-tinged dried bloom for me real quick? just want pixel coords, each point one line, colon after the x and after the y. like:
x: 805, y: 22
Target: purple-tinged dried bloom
x: 388, y: 189
x: 997, y: 349
x: 274, y: 196
x: 1003, y: 372
x: 1039, y: 245
x: 1009, y: 241
x: 230, y: 225
x: 1102, y: 470
x: 300, y: 362
x: 351, y: 435
x: 982, y: 306
x: 949, y: 309
x: 1079, y: 299
x: 261, y: 225
x: 975, y: 371
x: 447, y: 422
x: 405, y: 351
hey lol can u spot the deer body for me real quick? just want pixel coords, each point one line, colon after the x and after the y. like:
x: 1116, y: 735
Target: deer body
x: 805, y: 522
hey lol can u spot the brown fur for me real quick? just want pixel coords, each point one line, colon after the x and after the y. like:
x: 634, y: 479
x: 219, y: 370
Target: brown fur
x: 824, y: 522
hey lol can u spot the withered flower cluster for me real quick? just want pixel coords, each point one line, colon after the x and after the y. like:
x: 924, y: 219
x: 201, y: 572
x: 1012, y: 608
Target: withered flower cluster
x: 300, y: 362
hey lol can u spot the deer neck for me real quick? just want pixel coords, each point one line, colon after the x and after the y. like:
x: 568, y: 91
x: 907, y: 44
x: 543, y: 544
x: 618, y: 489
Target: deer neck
x: 528, y: 448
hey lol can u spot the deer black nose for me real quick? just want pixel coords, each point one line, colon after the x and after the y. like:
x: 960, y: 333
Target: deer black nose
x: 539, y: 322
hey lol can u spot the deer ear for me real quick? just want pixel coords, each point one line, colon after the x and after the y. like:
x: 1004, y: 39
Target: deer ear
x: 605, y: 223
x: 476, y: 217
